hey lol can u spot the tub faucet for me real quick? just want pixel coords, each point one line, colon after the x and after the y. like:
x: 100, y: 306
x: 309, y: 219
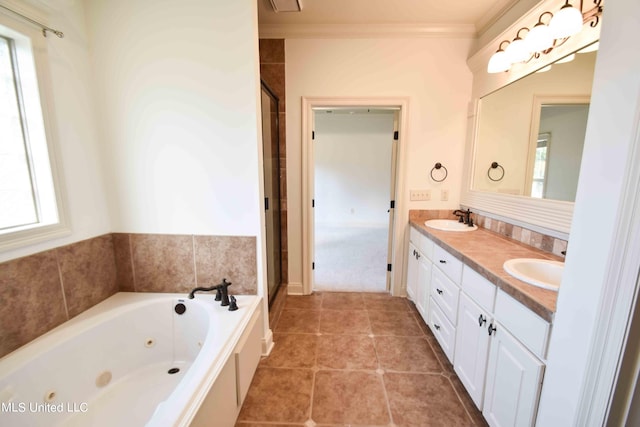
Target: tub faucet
x: 221, y: 292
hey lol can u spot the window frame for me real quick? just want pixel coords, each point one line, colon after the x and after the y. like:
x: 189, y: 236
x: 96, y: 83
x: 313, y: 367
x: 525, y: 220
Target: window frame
x: 32, y: 54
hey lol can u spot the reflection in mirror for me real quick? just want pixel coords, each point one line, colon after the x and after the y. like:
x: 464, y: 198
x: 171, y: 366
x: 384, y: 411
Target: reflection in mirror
x: 534, y: 128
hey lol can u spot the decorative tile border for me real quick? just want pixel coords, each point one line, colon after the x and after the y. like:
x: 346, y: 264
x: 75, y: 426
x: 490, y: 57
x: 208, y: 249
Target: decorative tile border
x: 519, y: 234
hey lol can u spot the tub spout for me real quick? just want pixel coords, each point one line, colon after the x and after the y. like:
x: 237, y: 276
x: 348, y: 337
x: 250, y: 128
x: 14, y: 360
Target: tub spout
x: 201, y: 289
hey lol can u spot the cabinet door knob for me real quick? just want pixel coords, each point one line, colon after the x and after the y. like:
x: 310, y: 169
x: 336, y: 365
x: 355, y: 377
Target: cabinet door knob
x: 491, y: 329
x: 436, y: 326
x: 439, y: 291
x: 482, y: 319
x: 443, y: 261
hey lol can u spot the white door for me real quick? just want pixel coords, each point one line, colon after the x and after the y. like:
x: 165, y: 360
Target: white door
x: 513, y: 382
x: 423, y: 287
x: 472, y: 343
x: 412, y: 273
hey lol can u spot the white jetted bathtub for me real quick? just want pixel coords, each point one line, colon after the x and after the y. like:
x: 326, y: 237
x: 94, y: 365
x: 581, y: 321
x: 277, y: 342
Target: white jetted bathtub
x: 134, y: 360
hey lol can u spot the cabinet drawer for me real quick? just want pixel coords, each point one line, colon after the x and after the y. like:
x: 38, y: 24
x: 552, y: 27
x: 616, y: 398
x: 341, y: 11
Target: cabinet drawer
x: 478, y: 288
x: 524, y: 324
x: 422, y: 242
x: 443, y: 330
x: 414, y: 236
x: 445, y: 294
x: 450, y: 265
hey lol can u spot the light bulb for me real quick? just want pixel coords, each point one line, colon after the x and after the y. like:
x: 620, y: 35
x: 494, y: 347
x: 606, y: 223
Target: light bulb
x: 566, y: 22
x: 517, y: 51
x: 539, y: 38
x: 498, y: 62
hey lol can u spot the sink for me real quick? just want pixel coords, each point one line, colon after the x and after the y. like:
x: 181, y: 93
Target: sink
x: 448, y: 225
x: 543, y: 273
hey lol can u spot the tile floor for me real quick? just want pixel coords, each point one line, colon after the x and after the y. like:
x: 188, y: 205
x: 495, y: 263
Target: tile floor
x: 355, y: 359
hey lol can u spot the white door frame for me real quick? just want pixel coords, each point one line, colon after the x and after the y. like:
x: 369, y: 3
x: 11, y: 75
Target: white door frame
x: 308, y: 104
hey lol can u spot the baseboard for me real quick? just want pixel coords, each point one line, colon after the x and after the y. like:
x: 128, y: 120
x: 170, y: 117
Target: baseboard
x: 267, y: 343
x: 295, y: 289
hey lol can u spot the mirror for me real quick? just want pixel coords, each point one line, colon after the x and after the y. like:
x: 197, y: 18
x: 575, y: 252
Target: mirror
x: 532, y: 132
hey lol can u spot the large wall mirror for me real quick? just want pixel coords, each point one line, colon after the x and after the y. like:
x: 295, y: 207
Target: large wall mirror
x: 530, y: 133
x: 530, y: 123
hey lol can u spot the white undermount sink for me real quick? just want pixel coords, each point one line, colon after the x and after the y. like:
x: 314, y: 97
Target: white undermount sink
x: 543, y: 273
x: 449, y: 225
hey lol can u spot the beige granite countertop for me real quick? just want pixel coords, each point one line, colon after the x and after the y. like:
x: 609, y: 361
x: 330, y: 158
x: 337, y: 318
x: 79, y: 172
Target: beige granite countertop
x: 485, y: 252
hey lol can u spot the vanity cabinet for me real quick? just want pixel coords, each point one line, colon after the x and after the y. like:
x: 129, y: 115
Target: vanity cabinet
x: 496, y: 344
x: 419, y: 271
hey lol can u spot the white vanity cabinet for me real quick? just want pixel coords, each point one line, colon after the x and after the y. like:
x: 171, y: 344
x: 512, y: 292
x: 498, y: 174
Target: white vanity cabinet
x: 419, y: 271
x: 496, y: 344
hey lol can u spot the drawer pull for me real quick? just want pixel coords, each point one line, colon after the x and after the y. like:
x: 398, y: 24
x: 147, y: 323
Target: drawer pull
x: 481, y: 320
x: 491, y: 329
x: 439, y: 291
x: 417, y: 255
x: 414, y: 252
x: 436, y: 326
x: 442, y: 261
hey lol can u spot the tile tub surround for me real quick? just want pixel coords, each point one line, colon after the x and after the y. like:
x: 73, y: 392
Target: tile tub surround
x: 519, y: 234
x: 43, y: 290
x: 485, y: 252
x: 355, y: 359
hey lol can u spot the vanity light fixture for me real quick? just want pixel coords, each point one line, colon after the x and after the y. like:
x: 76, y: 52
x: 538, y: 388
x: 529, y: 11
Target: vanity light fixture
x: 542, y: 38
x: 566, y: 59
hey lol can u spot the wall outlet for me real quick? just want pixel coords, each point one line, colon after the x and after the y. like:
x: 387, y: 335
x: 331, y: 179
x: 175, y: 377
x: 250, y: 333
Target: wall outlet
x: 444, y: 195
x: 420, y: 195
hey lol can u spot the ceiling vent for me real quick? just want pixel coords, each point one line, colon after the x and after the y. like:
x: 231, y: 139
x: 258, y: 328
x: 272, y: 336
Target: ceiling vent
x: 286, y: 5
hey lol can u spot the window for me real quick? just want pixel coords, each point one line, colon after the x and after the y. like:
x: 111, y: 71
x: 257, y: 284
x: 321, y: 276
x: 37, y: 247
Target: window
x: 30, y: 207
x: 538, y: 186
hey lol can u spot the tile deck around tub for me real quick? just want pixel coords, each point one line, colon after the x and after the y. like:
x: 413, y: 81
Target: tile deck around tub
x: 357, y: 359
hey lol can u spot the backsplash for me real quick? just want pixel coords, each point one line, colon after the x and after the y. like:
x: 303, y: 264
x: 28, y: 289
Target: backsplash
x: 519, y: 234
x: 41, y: 291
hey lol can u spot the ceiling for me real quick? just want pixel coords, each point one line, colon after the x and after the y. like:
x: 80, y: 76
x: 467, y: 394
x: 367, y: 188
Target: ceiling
x: 469, y: 17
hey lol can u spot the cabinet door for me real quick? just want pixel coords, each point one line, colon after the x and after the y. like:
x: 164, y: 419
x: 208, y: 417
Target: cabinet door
x: 412, y: 272
x: 424, y: 287
x: 513, y: 382
x: 472, y: 347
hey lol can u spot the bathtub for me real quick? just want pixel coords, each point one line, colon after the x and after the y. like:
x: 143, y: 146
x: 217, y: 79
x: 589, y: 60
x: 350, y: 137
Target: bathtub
x: 134, y: 360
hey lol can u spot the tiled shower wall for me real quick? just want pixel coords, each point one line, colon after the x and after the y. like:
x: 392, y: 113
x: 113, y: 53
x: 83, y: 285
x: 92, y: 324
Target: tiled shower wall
x: 41, y: 291
x: 520, y: 234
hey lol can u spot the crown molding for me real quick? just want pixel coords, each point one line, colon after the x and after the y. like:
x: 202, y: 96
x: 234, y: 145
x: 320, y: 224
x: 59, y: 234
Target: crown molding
x: 302, y: 31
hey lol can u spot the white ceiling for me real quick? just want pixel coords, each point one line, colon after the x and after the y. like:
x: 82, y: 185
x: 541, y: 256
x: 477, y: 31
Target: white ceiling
x: 462, y: 16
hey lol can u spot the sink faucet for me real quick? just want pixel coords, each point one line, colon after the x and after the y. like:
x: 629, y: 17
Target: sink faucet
x: 464, y: 216
x: 222, y: 293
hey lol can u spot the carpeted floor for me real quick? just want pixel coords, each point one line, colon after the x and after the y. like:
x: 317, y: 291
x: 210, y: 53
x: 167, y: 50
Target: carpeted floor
x: 350, y: 259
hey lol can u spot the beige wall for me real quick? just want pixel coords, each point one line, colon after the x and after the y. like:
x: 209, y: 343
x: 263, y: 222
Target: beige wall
x: 432, y: 72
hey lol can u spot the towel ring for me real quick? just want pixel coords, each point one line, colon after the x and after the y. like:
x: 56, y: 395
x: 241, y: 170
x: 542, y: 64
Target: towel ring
x: 439, y: 166
x: 495, y: 165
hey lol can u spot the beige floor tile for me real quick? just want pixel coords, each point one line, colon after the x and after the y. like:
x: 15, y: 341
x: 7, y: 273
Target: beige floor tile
x: 292, y: 351
x: 344, y: 322
x: 298, y: 321
x: 278, y: 395
x: 411, y: 354
x: 375, y: 302
x: 424, y: 400
x: 400, y: 323
x: 342, y: 301
x: 346, y: 352
x: 308, y: 302
x: 349, y: 397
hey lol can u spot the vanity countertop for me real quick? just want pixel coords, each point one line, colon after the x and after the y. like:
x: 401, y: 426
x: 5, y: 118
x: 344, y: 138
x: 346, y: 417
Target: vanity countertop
x: 485, y: 252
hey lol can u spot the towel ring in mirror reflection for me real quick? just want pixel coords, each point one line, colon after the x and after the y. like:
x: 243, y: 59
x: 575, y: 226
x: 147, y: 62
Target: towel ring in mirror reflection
x: 495, y: 165
x: 439, y: 166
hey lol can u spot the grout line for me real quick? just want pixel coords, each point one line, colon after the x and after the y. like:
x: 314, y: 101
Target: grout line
x: 461, y: 402
x: 133, y: 264
x: 64, y: 297
x: 195, y: 268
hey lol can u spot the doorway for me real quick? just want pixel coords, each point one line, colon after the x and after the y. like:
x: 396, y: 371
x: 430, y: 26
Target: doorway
x: 353, y: 156
x: 271, y: 171
x: 393, y: 268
